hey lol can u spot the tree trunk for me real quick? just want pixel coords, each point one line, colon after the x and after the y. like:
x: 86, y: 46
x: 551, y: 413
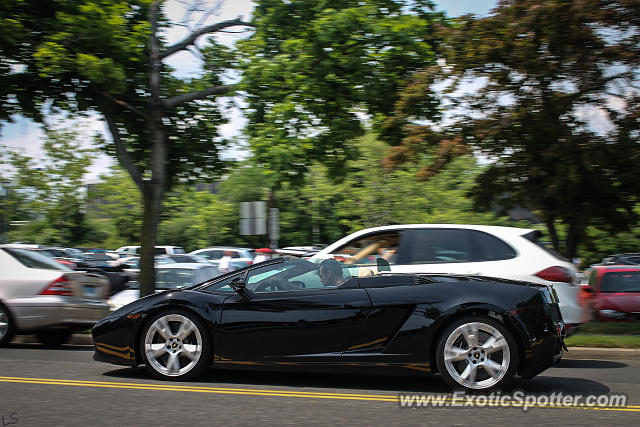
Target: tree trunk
x: 150, y: 218
x: 153, y: 189
x: 553, y: 233
x: 574, y: 237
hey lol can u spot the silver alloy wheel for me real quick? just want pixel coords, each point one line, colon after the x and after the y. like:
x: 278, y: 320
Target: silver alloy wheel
x: 4, y: 323
x: 173, y: 345
x: 476, y: 355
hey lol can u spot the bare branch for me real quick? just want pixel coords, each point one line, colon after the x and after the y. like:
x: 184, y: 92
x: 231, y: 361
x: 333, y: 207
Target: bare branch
x: 122, y: 154
x: 191, y: 39
x: 201, y: 94
x: 126, y: 105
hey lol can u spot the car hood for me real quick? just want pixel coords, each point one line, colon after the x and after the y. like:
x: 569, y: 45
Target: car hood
x: 624, y: 302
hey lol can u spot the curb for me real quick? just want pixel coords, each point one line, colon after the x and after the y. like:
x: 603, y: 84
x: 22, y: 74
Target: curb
x: 573, y: 353
x: 601, y: 353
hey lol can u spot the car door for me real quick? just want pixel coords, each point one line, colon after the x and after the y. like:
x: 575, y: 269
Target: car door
x: 304, y: 324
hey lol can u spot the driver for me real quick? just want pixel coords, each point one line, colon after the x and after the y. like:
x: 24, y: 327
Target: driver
x: 330, y: 272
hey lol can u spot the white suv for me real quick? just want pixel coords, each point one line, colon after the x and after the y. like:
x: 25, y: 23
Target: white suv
x: 504, y: 252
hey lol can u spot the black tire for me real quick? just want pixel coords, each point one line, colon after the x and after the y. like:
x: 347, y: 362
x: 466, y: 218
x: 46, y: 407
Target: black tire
x: 196, y: 344
x: 7, y: 327
x: 474, y: 364
x: 54, y: 337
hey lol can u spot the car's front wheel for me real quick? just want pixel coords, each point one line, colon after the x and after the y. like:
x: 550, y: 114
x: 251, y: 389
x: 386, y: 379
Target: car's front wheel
x: 477, y: 354
x: 175, y: 345
x: 6, y: 326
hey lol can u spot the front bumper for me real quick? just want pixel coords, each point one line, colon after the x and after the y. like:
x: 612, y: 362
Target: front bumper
x: 50, y: 311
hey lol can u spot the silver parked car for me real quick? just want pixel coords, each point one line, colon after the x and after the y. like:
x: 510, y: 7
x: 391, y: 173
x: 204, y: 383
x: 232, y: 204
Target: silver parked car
x: 240, y: 257
x: 41, y: 296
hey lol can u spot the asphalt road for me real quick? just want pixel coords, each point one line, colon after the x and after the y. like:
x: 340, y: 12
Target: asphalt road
x: 65, y: 386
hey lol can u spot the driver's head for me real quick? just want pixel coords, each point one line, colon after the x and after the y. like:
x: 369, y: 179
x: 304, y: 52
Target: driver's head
x: 330, y: 272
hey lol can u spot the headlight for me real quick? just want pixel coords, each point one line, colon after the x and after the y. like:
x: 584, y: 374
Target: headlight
x: 613, y: 314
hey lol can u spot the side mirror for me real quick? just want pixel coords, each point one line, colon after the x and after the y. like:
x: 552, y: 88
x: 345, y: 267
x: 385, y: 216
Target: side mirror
x: 238, y: 284
x: 383, y: 265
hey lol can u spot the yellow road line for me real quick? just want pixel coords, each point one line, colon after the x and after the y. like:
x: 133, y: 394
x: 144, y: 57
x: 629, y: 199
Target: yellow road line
x: 273, y: 393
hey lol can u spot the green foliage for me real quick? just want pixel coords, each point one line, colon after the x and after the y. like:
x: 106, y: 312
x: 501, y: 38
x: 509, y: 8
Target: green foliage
x: 197, y: 219
x: 324, y: 209
x: 313, y: 70
x: 600, y: 243
x: 116, y: 200
x: 50, y: 189
x: 538, y: 66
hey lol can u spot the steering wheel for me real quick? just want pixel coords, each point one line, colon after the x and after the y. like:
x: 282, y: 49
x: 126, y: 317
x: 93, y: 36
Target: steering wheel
x: 271, y: 285
x: 296, y: 284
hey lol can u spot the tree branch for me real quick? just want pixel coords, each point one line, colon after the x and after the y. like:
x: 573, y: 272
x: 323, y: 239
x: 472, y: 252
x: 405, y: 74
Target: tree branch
x: 126, y: 105
x: 122, y: 154
x: 192, y: 96
x: 191, y: 38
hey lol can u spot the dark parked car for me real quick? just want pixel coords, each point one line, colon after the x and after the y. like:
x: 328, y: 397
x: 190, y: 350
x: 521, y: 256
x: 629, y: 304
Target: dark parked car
x: 293, y: 313
x: 612, y: 293
x: 622, y: 259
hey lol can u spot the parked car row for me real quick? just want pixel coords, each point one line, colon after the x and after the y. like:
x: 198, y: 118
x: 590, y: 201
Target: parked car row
x: 514, y: 254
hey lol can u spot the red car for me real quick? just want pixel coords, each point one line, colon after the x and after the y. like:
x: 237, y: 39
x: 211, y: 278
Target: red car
x: 612, y: 293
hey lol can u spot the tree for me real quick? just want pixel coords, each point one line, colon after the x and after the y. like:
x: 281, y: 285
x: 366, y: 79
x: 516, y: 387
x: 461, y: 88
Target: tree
x: 322, y: 209
x: 315, y: 72
x: 538, y: 69
x: 197, y: 219
x: 116, y: 200
x: 51, y: 189
x: 109, y: 56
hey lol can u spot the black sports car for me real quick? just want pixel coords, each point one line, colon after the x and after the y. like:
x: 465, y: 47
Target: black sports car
x: 292, y: 313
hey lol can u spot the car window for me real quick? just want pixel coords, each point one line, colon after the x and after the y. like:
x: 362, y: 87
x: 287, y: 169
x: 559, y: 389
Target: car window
x: 214, y: 254
x: 97, y: 256
x: 173, y: 278
x: 294, y: 275
x: 206, y: 273
x: 438, y: 246
x: 490, y: 248
x: 178, y: 250
x: 197, y: 258
x: 223, y: 285
x: 34, y: 260
x: 366, y: 250
x: 621, y: 281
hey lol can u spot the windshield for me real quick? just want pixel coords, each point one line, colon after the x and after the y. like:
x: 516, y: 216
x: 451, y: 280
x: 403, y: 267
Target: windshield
x: 621, y: 281
x: 174, y: 278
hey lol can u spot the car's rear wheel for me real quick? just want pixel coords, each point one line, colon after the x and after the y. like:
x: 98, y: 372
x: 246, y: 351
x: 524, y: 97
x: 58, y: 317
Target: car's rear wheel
x: 54, y: 337
x: 6, y: 326
x: 477, y: 353
x: 176, y: 345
